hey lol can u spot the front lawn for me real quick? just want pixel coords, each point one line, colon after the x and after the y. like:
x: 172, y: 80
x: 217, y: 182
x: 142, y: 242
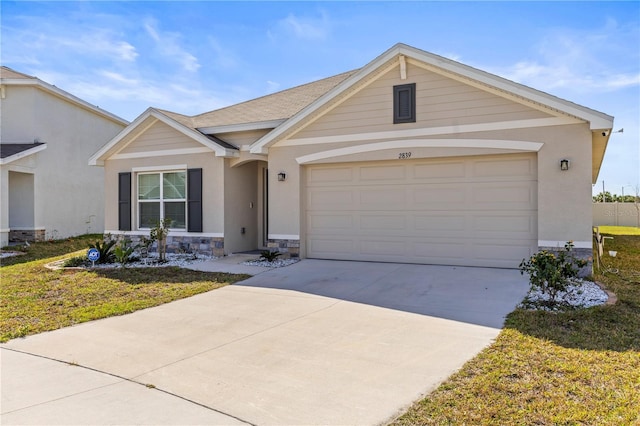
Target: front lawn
x: 34, y: 299
x: 579, y: 367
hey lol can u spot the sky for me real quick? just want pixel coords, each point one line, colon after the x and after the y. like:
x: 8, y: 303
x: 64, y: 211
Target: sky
x: 195, y: 56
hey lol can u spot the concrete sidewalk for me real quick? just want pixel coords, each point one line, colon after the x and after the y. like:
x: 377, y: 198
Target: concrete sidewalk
x: 318, y: 342
x: 41, y: 391
x: 232, y: 264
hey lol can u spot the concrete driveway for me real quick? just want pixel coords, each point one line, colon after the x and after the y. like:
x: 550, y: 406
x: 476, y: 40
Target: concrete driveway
x: 318, y: 342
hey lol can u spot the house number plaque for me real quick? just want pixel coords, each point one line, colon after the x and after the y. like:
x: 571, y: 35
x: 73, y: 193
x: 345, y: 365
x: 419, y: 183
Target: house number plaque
x: 404, y: 155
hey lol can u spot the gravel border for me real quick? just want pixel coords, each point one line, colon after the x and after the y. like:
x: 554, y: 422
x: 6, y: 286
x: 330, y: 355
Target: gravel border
x: 579, y: 294
x: 278, y: 263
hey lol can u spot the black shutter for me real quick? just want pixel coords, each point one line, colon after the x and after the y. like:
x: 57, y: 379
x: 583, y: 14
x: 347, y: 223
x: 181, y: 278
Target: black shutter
x: 124, y: 201
x: 404, y: 103
x: 194, y: 200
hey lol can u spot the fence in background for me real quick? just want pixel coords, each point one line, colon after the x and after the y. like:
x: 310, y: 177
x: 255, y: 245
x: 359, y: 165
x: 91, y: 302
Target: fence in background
x: 616, y: 214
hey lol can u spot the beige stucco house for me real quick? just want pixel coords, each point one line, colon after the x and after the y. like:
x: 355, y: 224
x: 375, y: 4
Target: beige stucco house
x: 413, y: 158
x: 47, y: 190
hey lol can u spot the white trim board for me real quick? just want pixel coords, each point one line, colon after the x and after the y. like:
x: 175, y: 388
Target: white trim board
x: 283, y: 237
x: 179, y: 167
x: 423, y: 143
x: 560, y: 244
x: 171, y: 234
x: 166, y: 152
x: 432, y: 131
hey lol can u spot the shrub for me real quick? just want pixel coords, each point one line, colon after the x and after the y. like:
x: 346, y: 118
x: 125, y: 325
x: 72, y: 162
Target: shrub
x: 106, y: 250
x: 123, y: 252
x: 551, y: 273
x: 269, y: 256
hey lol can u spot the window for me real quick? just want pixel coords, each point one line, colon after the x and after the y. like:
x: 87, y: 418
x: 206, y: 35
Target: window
x: 404, y: 103
x: 162, y: 196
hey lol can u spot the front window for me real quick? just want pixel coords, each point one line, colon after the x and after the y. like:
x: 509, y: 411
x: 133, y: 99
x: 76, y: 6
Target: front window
x: 162, y: 196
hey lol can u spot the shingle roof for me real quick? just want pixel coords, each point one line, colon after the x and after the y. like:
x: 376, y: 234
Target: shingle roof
x: 276, y: 106
x: 9, y: 149
x: 6, y: 72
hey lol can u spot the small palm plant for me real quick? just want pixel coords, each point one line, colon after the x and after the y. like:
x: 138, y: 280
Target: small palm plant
x: 269, y: 255
x: 123, y: 252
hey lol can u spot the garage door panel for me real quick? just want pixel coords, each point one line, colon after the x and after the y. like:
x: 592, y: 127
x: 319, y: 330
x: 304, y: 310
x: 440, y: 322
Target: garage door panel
x: 505, y: 223
x: 328, y: 176
x: 440, y: 197
x: 502, y: 196
x: 330, y: 247
x: 439, y: 224
x: 498, y: 168
x: 319, y: 222
x: 382, y: 173
x: 475, y: 211
x: 439, y: 171
x: 382, y: 247
x: 498, y: 251
x: 325, y: 199
x: 382, y: 198
x: 442, y: 249
x: 391, y: 223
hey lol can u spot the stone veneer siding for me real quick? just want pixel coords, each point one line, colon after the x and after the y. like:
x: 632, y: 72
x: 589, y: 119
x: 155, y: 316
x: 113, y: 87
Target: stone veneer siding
x: 27, y: 235
x: 578, y: 253
x: 207, y: 246
x: 290, y: 247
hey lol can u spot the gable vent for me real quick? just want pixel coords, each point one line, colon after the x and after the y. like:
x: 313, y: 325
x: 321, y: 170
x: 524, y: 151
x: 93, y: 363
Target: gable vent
x: 404, y: 103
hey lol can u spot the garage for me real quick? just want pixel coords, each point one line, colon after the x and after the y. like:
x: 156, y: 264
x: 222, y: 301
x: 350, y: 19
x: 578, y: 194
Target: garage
x: 471, y: 211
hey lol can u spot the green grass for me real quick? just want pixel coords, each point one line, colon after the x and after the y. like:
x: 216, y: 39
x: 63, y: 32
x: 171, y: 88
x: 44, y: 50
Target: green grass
x: 34, y: 299
x: 619, y: 230
x: 573, y: 368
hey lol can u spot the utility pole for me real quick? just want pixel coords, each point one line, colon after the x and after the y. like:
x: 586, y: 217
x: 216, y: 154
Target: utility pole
x: 604, y: 197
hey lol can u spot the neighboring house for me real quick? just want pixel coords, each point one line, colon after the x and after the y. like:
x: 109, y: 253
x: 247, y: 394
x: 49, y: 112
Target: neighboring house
x: 47, y: 189
x: 413, y: 158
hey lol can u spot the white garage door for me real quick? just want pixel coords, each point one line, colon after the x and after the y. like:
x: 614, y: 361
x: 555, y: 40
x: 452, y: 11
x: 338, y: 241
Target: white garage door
x: 474, y: 211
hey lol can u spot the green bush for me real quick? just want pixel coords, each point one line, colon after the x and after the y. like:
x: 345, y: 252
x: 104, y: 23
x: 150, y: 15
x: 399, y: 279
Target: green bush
x: 269, y: 255
x: 123, y: 252
x: 106, y: 251
x: 552, y: 273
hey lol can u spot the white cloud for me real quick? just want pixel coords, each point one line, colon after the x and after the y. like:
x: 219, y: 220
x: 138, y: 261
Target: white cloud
x: 168, y: 44
x: 222, y: 57
x: 304, y: 28
x: 581, y: 61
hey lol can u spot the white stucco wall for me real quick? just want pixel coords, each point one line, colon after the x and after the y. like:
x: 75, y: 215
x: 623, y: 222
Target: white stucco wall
x: 69, y: 195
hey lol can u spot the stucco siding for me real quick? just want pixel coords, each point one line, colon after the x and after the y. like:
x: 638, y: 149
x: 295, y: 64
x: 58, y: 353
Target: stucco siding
x: 212, y: 186
x: 440, y: 101
x: 68, y: 193
x: 17, y: 115
x: 160, y: 137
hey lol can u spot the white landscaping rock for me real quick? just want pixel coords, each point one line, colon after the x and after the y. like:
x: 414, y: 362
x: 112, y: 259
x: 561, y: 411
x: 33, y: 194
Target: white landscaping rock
x: 580, y: 294
x: 278, y: 263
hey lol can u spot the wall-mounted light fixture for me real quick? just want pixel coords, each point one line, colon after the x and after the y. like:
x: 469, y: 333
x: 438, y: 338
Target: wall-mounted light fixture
x: 564, y: 164
x: 282, y: 176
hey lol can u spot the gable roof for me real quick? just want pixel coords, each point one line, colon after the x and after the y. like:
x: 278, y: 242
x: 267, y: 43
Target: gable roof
x: 10, y: 77
x: 275, y: 106
x: 449, y: 68
x: 144, y: 121
x: 10, y: 152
